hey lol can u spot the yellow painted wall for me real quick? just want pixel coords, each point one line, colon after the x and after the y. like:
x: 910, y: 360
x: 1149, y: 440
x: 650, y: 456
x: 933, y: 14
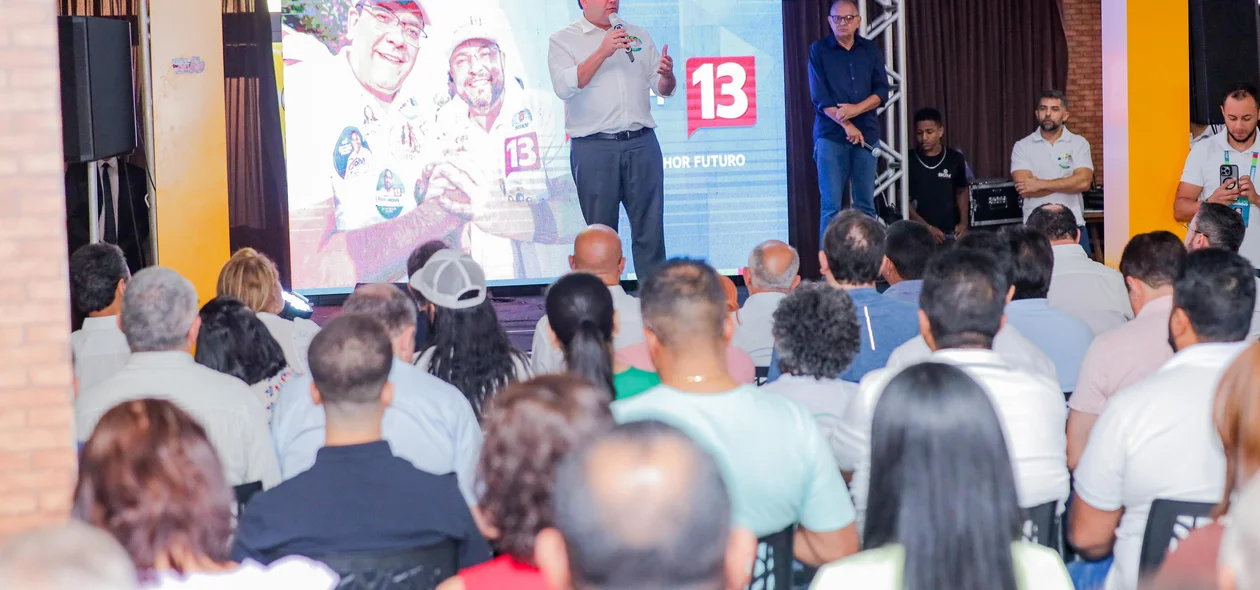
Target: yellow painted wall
x: 1153, y: 115
x: 190, y: 141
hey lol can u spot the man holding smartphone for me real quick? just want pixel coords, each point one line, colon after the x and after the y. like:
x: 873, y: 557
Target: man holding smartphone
x: 1220, y: 169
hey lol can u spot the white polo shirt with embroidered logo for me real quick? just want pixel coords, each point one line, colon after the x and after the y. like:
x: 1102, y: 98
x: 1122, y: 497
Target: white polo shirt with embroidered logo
x: 1053, y: 162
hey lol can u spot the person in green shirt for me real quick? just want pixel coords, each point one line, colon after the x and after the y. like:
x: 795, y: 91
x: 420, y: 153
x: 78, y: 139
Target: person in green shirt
x: 582, y: 323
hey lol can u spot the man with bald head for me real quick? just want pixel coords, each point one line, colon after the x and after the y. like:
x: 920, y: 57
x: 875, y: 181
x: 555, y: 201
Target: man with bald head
x: 429, y: 423
x: 597, y: 251
x: 769, y: 276
x: 643, y: 506
x: 779, y: 467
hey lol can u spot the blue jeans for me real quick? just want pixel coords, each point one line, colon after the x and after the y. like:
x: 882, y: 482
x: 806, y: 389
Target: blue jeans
x: 1089, y: 575
x: 841, y: 163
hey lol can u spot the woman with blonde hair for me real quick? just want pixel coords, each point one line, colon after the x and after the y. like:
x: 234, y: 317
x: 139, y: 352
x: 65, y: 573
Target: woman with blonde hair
x: 253, y: 278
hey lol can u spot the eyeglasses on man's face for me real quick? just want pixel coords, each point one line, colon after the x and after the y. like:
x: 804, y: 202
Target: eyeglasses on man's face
x: 385, y: 20
x: 843, y: 19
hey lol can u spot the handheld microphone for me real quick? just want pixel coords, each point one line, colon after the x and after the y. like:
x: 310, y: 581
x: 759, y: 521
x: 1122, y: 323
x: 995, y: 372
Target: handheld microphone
x: 618, y: 24
x: 874, y: 150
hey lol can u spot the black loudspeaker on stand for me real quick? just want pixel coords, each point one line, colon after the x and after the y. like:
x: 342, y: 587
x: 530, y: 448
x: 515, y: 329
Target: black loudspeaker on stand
x: 97, y: 97
x: 1224, y: 52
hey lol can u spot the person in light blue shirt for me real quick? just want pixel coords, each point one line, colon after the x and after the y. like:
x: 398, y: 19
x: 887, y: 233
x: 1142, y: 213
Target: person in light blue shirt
x: 907, y: 247
x: 1062, y: 336
x: 853, y: 251
x: 777, y: 464
x: 430, y: 423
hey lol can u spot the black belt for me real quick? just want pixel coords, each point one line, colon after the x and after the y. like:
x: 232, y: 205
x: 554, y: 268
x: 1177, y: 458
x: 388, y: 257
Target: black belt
x: 619, y: 136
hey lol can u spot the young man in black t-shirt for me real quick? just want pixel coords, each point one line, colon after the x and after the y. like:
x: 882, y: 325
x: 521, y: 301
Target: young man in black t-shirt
x: 938, y: 179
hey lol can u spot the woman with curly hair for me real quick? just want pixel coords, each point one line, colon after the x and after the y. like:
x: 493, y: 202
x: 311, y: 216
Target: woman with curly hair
x: 530, y: 429
x: 149, y: 477
x: 817, y: 336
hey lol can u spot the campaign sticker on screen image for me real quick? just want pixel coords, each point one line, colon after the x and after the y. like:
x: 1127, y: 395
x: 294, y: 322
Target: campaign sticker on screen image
x: 721, y: 92
x: 520, y: 153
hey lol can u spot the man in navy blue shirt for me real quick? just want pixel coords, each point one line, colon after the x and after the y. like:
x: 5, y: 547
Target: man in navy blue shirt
x: 847, y: 82
x: 357, y: 497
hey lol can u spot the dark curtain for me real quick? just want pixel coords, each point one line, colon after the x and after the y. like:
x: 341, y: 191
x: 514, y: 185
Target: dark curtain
x: 982, y: 63
x: 258, y: 210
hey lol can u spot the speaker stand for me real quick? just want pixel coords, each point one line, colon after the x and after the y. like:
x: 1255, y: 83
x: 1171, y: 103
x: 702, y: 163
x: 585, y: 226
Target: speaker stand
x: 94, y: 213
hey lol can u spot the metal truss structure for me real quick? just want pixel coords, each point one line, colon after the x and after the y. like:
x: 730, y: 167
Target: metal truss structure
x: 893, y: 183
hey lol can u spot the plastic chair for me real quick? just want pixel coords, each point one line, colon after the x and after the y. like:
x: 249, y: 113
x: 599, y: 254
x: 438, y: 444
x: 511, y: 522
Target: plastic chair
x: 244, y: 493
x: 762, y: 375
x: 773, y: 566
x: 1168, y: 523
x: 420, y: 568
x: 1043, y: 526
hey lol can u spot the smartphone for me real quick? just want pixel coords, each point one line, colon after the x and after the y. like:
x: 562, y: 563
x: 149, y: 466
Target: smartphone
x: 1229, y: 175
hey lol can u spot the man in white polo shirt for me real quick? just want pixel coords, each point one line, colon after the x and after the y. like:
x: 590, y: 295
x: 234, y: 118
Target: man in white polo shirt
x: 1218, y: 226
x: 98, y: 279
x: 1053, y: 165
x: 1081, y: 286
x: 1157, y: 439
x: 1231, y: 156
x: 964, y: 295
x: 159, y: 318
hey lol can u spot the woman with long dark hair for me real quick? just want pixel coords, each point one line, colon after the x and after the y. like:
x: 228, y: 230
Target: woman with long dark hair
x: 149, y: 477
x: 233, y: 341
x: 582, y: 321
x: 468, y: 348
x: 943, y: 511
x: 530, y: 429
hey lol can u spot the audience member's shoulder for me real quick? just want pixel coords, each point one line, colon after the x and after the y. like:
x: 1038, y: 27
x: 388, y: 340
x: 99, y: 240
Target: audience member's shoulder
x: 871, y: 568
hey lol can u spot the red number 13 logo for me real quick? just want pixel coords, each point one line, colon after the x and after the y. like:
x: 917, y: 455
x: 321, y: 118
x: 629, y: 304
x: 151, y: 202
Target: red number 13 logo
x: 721, y: 92
x: 521, y: 153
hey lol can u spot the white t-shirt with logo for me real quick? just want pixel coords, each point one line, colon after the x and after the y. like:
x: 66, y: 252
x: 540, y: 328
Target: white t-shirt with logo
x: 1203, y: 168
x: 520, y: 152
x: 1053, y: 162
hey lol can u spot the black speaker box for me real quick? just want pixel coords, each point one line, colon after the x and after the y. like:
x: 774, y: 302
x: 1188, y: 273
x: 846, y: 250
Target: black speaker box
x: 98, y: 109
x: 1224, y: 52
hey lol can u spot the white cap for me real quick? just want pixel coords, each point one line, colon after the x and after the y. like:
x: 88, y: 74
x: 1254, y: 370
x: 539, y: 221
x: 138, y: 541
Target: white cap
x: 475, y: 27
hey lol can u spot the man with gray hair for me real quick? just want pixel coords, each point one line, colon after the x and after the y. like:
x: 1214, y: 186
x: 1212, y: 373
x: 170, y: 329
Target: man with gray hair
x: 73, y: 556
x: 642, y: 506
x: 769, y: 276
x: 159, y: 319
x: 430, y: 423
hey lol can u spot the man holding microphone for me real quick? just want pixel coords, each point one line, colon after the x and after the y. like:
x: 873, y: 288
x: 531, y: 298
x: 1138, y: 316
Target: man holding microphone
x: 604, y: 69
x: 1222, y: 169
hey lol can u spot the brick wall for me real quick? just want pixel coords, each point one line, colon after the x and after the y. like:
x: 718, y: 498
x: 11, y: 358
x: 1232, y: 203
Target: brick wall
x: 37, y: 456
x: 1082, y: 23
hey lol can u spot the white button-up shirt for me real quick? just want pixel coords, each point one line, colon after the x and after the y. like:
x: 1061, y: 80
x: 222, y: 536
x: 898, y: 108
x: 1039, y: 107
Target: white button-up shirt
x: 100, y: 350
x: 754, y: 332
x: 1016, y: 348
x: 1156, y: 439
x: 617, y: 97
x: 1053, y: 162
x: 225, y: 406
x: 1030, y: 408
x: 546, y: 359
x: 1093, y: 292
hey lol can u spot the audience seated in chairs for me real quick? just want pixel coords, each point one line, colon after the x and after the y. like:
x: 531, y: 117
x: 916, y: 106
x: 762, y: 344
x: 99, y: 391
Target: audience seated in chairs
x: 1080, y: 286
x: 775, y: 459
x: 769, y: 276
x: 1126, y: 355
x: 816, y: 337
x: 1155, y: 440
x: 851, y: 257
x: 469, y: 348
x: 98, y: 278
x: 159, y: 318
x: 597, y: 250
x: 72, y: 556
x: 1237, y: 418
x: 944, y: 510
x: 150, y: 477
x: 583, y: 321
x: 907, y: 247
x: 233, y: 341
x: 1062, y: 336
x: 1016, y: 349
x: 528, y: 432
x: 1218, y: 226
x: 358, y: 499
x: 964, y: 293
x: 429, y: 422
x: 643, y: 506
x: 252, y: 277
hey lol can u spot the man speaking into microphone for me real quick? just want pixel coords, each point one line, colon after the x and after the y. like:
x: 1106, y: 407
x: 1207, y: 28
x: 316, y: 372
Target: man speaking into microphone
x: 604, y: 68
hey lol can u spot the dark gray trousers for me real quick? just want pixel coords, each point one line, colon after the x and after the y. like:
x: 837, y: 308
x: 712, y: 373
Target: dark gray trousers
x: 610, y: 172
